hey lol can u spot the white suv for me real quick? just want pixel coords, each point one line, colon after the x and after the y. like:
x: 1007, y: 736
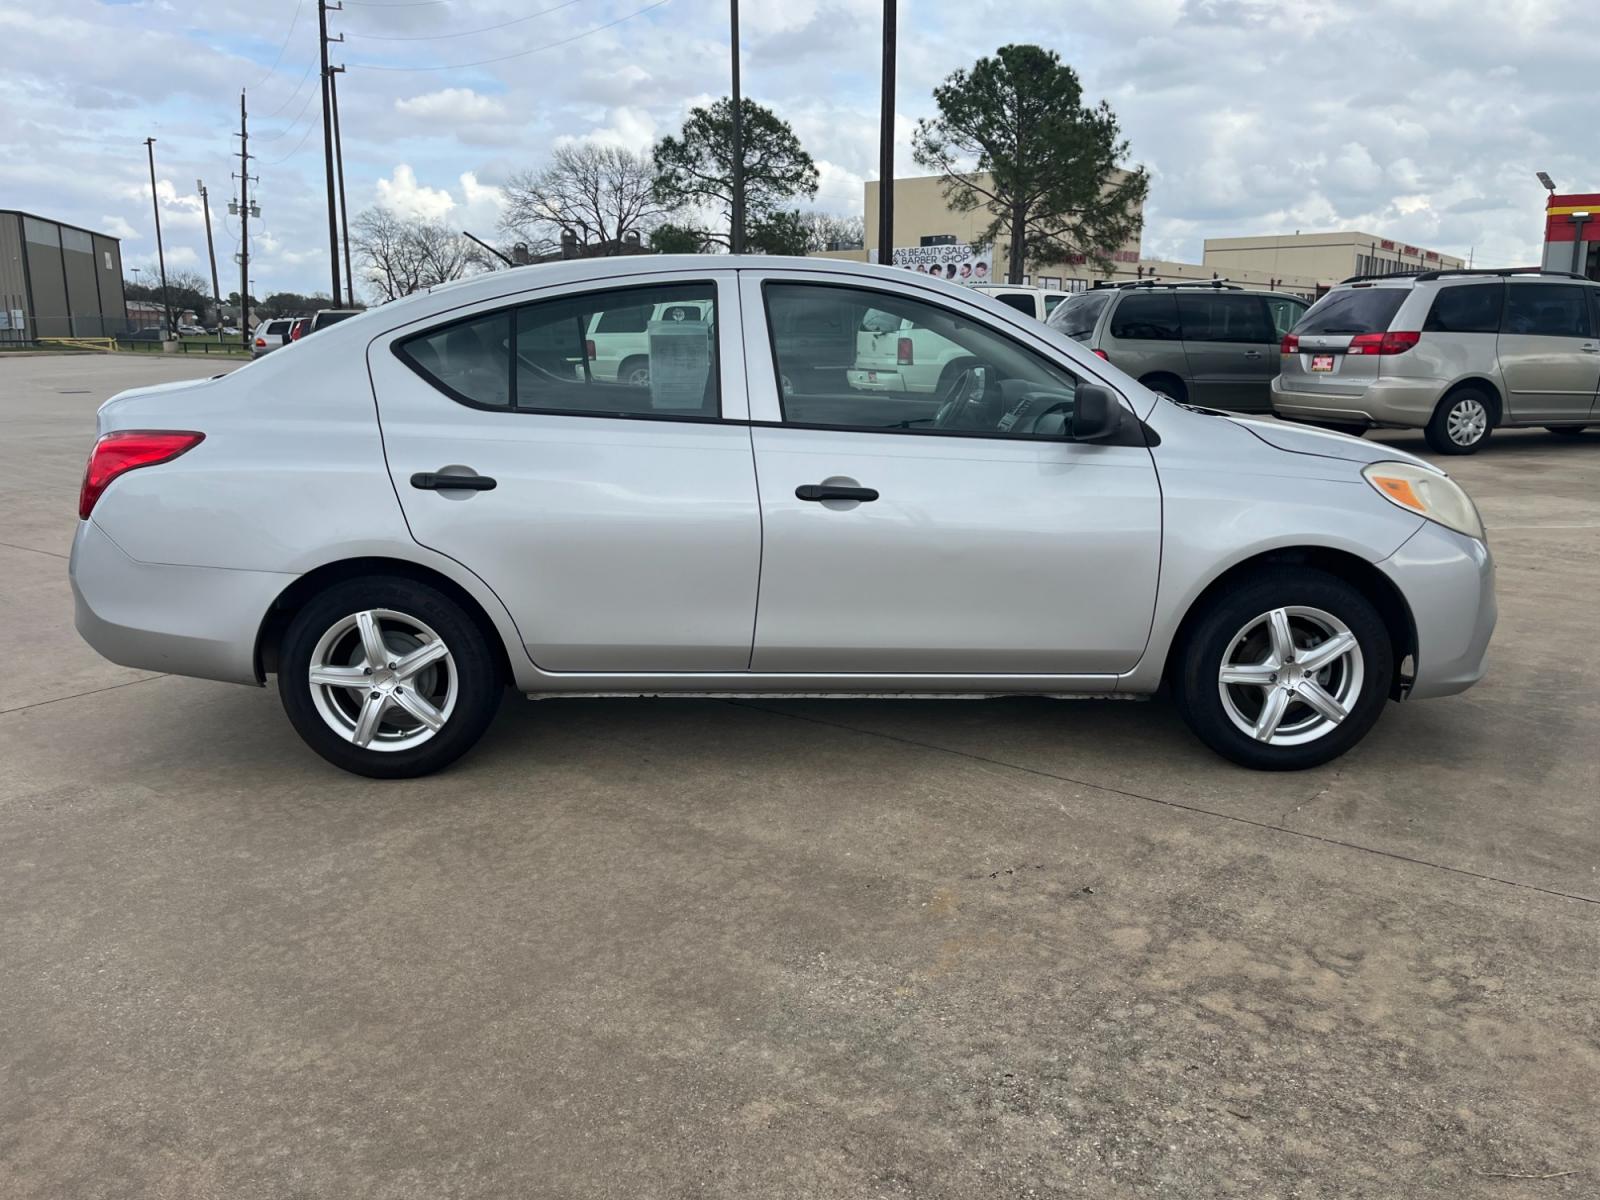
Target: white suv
x: 1454, y: 353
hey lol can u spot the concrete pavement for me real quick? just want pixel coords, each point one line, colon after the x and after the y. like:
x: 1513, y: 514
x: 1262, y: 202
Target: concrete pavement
x: 797, y: 949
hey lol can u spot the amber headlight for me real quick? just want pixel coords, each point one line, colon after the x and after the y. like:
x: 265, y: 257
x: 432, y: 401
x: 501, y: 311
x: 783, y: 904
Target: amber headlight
x: 1426, y: 493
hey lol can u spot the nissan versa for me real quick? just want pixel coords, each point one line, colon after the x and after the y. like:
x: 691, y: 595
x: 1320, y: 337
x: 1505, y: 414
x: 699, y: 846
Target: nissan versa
x: 443, y: 496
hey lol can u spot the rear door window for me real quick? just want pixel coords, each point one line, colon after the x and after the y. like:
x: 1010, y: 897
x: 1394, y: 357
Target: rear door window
x: 1146, y: 317
x: 1356, y: 310
x: 1078, y: 316
x: 1470, y: 308
x: 1548, y: 310
x: 1221, y: 317
x: 1020, y: 301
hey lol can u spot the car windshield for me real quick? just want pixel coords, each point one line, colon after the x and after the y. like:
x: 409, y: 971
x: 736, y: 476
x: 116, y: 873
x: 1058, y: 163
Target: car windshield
x: 1358, y: 310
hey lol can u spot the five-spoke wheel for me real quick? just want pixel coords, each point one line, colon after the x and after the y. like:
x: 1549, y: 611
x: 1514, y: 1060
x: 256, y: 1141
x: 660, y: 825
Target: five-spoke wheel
x: 1285, y: 668
x: 388, y: 677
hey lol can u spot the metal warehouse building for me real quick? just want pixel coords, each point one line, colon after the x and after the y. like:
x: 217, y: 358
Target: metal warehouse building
x: 57, y: 280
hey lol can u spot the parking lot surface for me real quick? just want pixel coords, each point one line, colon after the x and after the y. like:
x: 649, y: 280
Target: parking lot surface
x: 663, y: 948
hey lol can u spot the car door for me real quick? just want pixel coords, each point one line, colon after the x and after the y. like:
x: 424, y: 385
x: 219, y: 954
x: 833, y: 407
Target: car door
x: 989, y: 543
x: 1549, y: 355
x: 621, y: 528
x: 1227, y: 339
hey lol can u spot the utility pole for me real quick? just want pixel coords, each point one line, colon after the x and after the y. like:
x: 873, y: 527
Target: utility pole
x: 886, y: 141
x: 244, y: 177
x: 344, y: 209
x: 736, y: 232
x: 211, y: 252
x: 161, y: 254
x: 327, y: 145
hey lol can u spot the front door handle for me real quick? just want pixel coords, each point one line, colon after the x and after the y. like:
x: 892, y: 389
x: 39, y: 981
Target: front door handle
x: 433, y: 481
x: 1252, y: 354
x: 831, y: 491
x: 1590, y: 348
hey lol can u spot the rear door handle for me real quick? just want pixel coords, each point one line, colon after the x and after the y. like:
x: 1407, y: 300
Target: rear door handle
x: 1252, y: 354
x: 432, y: 481
x: 830, y: 491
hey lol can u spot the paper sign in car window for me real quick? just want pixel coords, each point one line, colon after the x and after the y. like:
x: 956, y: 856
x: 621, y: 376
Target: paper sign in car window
x: 680, y: 363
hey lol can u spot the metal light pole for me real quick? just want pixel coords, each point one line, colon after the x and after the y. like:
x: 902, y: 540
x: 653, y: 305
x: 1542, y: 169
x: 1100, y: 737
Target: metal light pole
x: 161, y: 254
x: 886, y: 141
x: 327, y: 150
x: 344, y: 209
x: 211, y: 251
x: 736, y: 232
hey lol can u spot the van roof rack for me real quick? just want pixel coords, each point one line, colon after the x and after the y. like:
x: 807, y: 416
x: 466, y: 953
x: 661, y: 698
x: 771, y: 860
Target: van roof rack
x: 1501, y: 271
x: 1178, y: 283
x: 1491, y: 272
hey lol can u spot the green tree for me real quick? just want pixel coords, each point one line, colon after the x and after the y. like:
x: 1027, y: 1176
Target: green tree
x: 694, y: 171
x: 1013, y: 136
x: 669, y: 238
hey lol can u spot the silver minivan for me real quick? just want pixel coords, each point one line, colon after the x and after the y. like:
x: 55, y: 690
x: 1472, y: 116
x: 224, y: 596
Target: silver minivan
x: 1454, y: 353
x: 1208, y: 342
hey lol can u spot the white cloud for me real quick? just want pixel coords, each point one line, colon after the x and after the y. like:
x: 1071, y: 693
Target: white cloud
x: 451, y: 104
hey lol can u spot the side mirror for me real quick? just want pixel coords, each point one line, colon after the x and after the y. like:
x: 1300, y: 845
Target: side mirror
x: 1096, y: 414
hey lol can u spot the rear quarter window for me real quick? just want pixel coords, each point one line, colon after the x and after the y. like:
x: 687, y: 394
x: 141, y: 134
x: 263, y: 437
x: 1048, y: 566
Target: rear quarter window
x: 1355, y: 310
x: 1470, y: 308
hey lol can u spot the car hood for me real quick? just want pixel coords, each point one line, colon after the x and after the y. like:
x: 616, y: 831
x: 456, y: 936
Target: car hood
x: 1303, y: 439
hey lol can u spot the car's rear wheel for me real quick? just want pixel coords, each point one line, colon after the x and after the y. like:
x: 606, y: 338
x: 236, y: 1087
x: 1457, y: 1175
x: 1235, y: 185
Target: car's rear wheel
x: 634, y: 372
x: 1461, y: 422
x: 1285, y: 671
x: 387, y: 677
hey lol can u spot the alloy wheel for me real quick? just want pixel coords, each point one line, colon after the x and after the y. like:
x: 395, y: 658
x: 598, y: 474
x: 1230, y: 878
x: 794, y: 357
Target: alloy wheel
x: 383, y: 680
x: 1291, y: 676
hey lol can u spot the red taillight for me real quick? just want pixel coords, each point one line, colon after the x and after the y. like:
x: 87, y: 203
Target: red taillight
x: 1394, y: 342
x: 296, y: 331
x: 1102, y: 354
x: 1289, y: 345
x: 261, y: 341
x: 127, y: 450
x: 588, y: 348
x: 904, y: 355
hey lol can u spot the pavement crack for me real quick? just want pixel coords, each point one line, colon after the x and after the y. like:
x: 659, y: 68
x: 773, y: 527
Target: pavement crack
x: 34, y: 550
x: 1195, y: 809
x: 79, y: 695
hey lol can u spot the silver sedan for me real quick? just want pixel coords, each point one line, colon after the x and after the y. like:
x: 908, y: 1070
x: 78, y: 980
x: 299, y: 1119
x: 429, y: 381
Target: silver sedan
x: 443, y: 496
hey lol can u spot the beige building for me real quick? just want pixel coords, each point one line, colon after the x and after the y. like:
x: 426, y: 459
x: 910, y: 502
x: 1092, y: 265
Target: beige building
x: 1325, y: 257
x: 1306, y: 264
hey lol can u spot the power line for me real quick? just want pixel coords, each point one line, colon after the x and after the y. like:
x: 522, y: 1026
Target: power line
x: 289, y: 99
x: 483, y: 62
x: 290, y: 124
x: 402, y: 4
x: 439, y: 37
x: 282, y: 48
x: 310, y: 125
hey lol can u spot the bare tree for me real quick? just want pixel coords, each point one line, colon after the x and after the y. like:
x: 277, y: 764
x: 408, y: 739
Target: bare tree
x: 597, y: 193
x: 833, y: 231
x: 400, y: 255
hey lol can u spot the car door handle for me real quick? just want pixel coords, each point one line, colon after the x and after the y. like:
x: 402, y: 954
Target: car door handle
x: 432, y: 481
x: 1252, y: 354
x: 830, y: 491
x: 1590, y: 348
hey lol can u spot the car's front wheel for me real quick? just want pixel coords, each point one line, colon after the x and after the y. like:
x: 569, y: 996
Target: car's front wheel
x: 387, y: 677
x: 1285, y: 671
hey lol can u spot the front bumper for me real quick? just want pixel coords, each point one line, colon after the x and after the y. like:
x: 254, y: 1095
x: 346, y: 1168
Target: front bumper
x: 1447, y: 580
x: 200, y: 621
x: 1402, y: 403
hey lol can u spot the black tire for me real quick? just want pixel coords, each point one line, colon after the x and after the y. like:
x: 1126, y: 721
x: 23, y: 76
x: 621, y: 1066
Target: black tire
x: 1198, y: 691
x: 1440, y: 439
x: 475, y: 668
x: 1169, y: 386
x: 629, y: 365
x: 1567, y: 430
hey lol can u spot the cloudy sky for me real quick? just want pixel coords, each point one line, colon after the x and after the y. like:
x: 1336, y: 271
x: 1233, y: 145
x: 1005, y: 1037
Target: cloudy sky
x: 1419, y: 119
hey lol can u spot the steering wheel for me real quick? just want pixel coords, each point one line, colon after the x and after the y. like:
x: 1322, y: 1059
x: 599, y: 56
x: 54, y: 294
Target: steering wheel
x: 968, y: 387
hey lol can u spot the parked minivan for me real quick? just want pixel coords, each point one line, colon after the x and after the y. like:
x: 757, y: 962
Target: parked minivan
x: 1453, y: 353
x: 1208, y: 342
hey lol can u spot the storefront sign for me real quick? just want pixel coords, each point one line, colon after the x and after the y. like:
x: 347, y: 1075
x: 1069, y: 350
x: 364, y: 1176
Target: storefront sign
x: 957, y: 262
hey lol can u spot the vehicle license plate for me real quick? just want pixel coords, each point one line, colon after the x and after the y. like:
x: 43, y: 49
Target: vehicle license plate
x: 1322, y: 362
